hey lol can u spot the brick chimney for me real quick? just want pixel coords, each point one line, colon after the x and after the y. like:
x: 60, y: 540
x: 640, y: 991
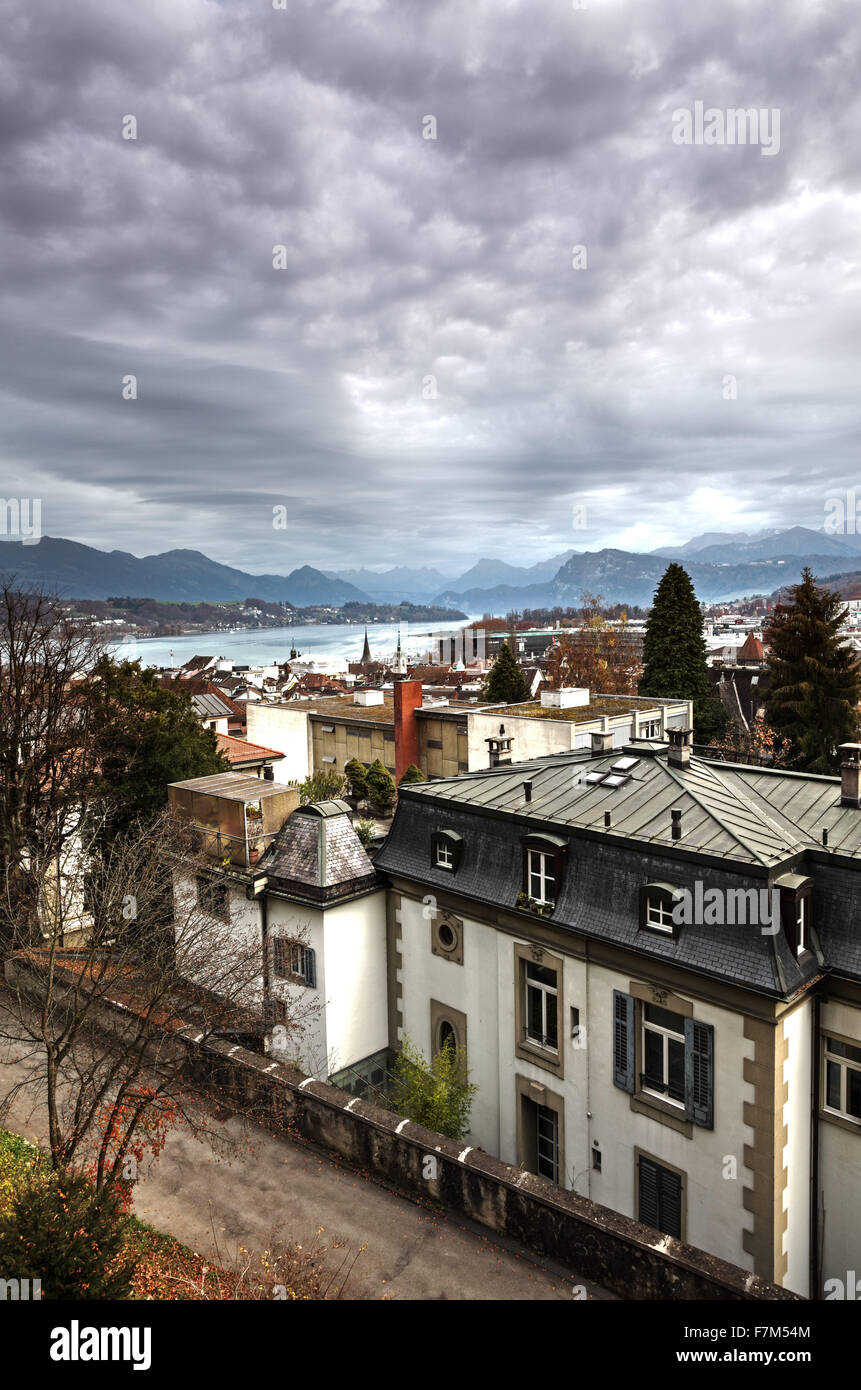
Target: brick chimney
x: 407, y: 699
x: 850, y: 774
x: 680, y: 747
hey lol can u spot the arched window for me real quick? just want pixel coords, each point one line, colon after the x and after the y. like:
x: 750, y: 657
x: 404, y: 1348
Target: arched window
x: 447, y: 1034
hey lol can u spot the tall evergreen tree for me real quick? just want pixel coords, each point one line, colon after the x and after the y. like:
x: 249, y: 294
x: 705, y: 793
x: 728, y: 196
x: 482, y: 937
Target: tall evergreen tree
x: 815, y: 685
x: 674, y: 654
x: 505, y: 684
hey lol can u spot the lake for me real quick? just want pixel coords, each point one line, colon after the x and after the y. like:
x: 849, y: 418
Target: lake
x: 315, y: 641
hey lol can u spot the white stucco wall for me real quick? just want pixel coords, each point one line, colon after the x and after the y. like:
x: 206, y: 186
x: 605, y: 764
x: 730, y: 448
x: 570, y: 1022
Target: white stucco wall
x: 355, y: 973
x: 798, y: 1030
x: 840, y: 1172
x: 286, y: 730
x: 483, y: 988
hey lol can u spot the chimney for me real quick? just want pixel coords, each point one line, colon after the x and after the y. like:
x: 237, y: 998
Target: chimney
x: 677, y: 823
x: 407, y: 699
x: 602, y: 743
x: 680, y: 747
x: 527, y: 791
x: 850, y: 774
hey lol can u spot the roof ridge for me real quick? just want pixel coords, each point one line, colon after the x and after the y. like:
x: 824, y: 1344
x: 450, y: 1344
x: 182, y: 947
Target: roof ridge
x: 700, y: 766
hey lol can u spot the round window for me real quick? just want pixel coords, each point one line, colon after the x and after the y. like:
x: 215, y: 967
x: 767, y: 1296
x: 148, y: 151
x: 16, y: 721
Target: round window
x: 447, y: 938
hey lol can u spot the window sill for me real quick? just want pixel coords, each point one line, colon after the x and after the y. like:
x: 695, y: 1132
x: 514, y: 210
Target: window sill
x: 541, y: 1056
x: 661, y: 1110
x: 842, y: 1121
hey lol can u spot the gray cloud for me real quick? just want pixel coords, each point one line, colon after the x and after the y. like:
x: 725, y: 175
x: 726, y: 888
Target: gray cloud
x: 409, y: 259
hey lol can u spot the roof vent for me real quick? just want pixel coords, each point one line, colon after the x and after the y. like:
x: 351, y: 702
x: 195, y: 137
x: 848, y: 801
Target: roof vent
x: 368, y: 697
x: 608, y: 819
x: 850, y: 774
x: 527, y: 791
x: 677, y: 824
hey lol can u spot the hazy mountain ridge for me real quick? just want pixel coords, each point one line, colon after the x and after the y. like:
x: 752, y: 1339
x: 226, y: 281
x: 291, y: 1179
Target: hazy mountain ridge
x: 720, y: 569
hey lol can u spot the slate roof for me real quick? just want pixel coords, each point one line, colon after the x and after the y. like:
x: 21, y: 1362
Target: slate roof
x: 741, y: 828
x: 317, y: 853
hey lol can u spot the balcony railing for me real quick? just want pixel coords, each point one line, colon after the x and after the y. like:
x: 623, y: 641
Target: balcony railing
x: 242, y: 851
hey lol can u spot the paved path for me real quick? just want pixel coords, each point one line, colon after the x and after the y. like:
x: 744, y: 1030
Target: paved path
x: 282, y: 1186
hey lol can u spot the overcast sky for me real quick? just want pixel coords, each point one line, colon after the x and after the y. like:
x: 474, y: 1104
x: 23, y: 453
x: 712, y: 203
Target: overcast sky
x: 410, y: 259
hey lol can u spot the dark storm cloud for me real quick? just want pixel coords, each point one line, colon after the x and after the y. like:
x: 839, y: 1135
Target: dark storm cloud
x: 409, y: 259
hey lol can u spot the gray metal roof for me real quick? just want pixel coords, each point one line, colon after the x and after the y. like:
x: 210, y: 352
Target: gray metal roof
x: 209, y: 706
x: 741, y: 825
x: 724, y: 814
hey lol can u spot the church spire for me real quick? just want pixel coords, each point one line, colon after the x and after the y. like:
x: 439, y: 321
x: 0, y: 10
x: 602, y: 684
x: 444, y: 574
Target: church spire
x: 366, y: 651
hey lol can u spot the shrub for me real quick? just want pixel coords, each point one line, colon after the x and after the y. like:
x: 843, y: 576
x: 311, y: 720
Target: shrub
x: 381, y: 787
x: 60, y: 1230
x: 412, y: 774
x: 366, y: 832
x: 436, y: 1094
x: 356, y: 776
x: 322, y: 786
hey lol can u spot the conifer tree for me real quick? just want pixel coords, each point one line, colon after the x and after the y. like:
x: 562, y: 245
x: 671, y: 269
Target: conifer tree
x: 815, y: 679
x: 674, y: 654
x: 505, y: 684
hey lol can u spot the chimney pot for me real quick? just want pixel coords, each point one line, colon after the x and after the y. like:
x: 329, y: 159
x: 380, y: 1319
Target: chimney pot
x: 527, y: 790
x: 677, y: 824
x: 850, y: 774
x: 679, y: 754
x: 608, y: 819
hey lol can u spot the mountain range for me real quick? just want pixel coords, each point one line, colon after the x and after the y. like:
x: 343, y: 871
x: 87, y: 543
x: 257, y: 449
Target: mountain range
x: 721, y: 565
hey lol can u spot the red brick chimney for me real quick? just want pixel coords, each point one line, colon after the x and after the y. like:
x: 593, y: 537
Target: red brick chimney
x: 408, y: 698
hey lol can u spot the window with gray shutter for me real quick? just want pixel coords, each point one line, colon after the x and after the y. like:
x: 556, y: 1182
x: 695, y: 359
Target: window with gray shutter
x: 623, y: 1041
x: 699, y: 1073
x: 660, y: 1198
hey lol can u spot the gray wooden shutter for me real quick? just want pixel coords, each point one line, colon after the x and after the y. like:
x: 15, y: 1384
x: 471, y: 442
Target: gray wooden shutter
x: 647, y: 1203
x: 699, y: 1073
x: 310, y: 967
x: 623, y: 1041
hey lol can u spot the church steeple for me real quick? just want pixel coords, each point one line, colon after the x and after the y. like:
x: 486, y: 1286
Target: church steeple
x: 366, y: 651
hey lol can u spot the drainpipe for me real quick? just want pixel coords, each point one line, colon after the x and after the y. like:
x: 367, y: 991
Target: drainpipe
x: 815, y: 1083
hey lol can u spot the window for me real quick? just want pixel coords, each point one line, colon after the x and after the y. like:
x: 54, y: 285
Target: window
x: 291, y: 960
x: 214, y: 898
x: 659, y: 1197
x: 541, y: 879
x: 650, y: 728
x: 796, y: 903
x: 547, y: 1131
x: 657, y: 901
x: 447, y: 1035
x: 447, y: 937
x: 663, y: 1053
x: 673, y: 1054
x: 541, y: 1006
x: 446, y: 846
x: 842, y: 1090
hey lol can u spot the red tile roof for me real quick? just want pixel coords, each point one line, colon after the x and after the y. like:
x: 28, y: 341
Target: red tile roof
x: 239, y: 750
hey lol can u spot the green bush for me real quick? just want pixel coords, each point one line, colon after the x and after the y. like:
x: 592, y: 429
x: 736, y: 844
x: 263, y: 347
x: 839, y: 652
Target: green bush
x: 436, y: 1094
x: 322, y: 786
x: 60, y: 1230
x: 356, y: 776
x: 381, y: 787
x: 365, y: 831
x: 412, y: 774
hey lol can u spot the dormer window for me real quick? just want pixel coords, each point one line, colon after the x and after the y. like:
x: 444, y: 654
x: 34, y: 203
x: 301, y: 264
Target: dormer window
x: 543, y: 860
x: 446, y: 848
x: 657, y: 902
x: 796, y: 904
